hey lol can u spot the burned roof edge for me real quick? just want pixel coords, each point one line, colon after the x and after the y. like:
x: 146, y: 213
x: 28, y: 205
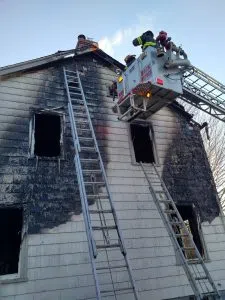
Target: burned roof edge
x: 30, y: 64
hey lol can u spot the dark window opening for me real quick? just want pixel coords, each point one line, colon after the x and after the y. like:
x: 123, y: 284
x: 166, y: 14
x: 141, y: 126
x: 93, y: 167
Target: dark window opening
x: 190, y: 219
x: 11, y: 221
x: 47, y: 135
x: 143, y: 145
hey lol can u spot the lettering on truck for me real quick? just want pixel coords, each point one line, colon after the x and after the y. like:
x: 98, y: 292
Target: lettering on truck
x: 146, y: 73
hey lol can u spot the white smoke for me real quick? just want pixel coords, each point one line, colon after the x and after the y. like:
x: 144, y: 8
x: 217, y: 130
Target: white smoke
x: 120, y: 43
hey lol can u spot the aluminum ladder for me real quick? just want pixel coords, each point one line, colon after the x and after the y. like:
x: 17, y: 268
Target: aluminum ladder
x: 110, y: 266
x: 198, y: 275
x: 204, y: 92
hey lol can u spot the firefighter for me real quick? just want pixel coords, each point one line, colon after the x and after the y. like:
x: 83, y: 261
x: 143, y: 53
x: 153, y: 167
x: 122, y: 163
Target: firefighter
x: 129, y: 59
x: 113, y: 90
x: 145, y: 40
x: 163, y: 40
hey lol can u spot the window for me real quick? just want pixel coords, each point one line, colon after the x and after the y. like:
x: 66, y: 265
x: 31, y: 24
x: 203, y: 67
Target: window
x: 190, y: 219
x: 142, y: 143
x: 11, y: 223
x: 46, y: 135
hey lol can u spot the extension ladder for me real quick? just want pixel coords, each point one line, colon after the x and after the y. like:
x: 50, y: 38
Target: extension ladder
x: 198, y: 275
x: 110, y: 266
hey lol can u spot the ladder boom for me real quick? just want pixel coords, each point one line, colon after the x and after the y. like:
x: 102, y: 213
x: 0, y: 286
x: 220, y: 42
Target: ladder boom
x: 204, y: 92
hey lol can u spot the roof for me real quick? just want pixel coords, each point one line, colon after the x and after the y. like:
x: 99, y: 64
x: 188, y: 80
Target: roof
x: 60, y: 55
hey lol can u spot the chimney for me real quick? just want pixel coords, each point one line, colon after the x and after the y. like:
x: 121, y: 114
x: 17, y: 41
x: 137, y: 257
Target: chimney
x: 84, y: 44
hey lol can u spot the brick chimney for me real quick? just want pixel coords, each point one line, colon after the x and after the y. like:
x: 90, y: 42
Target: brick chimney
x: 85, y: 45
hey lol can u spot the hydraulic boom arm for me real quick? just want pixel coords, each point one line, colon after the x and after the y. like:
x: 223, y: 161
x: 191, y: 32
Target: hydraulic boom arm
x: 204, y: 92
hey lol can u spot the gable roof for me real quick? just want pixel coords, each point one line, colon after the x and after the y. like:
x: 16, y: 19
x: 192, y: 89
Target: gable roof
x: 60, y: 55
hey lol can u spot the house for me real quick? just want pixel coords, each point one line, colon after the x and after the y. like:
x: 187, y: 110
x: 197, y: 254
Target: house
x: 44, y: 252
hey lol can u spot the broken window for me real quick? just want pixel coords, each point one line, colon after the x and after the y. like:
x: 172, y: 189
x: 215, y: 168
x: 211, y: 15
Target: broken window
x: 142, y: 142
x: 11, y: 222
x: 190, y: 219
x: 47, y: 135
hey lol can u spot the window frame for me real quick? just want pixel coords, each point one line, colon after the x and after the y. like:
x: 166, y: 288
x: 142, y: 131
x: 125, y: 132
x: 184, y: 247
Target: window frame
x: 23, y: 255
x: 32, y: 134
x: 200, y: 232
x: 151, y: 136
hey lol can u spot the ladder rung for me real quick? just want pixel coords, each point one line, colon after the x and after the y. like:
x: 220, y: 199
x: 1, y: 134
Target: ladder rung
x: 71, y: 71
x: 193, y: 261
x: 94, y: 182
x: 201, y: 278
x: 116, y: 290
x: 85, y: 138
x: 81, y: 106
x: 100, y: 211
x: 170, y: 211
x: 176, y: 223
x: 181, y: 234
x: 83, y: 122
x: 72, y: 81
x: 111, y: 267
x: 92, y: 171
x: 107, y: 246
x: 71, y: 76
x: 88, y: 148
x: 73, y: 87
x: 80, y: 115
x: 84, y: 129
x: 79, y: 94
x: 103, y: 227
x: 188, y: 248
x: 77, y: 100
x: 165, y: 201
x: 98, y: 196
x: 89, y: 159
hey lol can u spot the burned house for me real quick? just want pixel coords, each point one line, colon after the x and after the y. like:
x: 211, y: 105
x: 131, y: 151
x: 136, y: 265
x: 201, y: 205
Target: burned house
x: 44, y: 249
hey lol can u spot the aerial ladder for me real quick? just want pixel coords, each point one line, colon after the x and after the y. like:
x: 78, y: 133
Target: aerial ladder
x: 152, y: 82
x: 148, y: 84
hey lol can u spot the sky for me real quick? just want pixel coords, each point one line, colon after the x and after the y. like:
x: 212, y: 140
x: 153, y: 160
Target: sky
x: 34, y: 28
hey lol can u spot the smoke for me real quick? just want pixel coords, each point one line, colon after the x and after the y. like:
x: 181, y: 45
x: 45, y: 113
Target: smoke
x: 120, y: 43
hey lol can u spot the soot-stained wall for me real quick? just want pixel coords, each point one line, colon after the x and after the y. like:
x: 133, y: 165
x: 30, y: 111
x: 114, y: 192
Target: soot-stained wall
x: 49, y: 197
x: 187, y: 173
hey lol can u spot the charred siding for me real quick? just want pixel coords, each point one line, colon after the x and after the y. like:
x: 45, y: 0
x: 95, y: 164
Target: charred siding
x: 187, y: 173
x: 48, y: 196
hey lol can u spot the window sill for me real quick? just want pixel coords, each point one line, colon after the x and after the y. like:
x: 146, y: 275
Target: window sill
x: 11, y: 278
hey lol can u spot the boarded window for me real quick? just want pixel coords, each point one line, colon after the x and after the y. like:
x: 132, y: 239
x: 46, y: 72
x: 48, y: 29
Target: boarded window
x: 11, y: 222
x: 47, y: 135
x: 190, y: 219
x: 143, y: 145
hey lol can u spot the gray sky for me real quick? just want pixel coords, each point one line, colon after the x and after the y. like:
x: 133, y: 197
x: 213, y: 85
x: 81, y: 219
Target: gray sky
x: 34, y: 28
